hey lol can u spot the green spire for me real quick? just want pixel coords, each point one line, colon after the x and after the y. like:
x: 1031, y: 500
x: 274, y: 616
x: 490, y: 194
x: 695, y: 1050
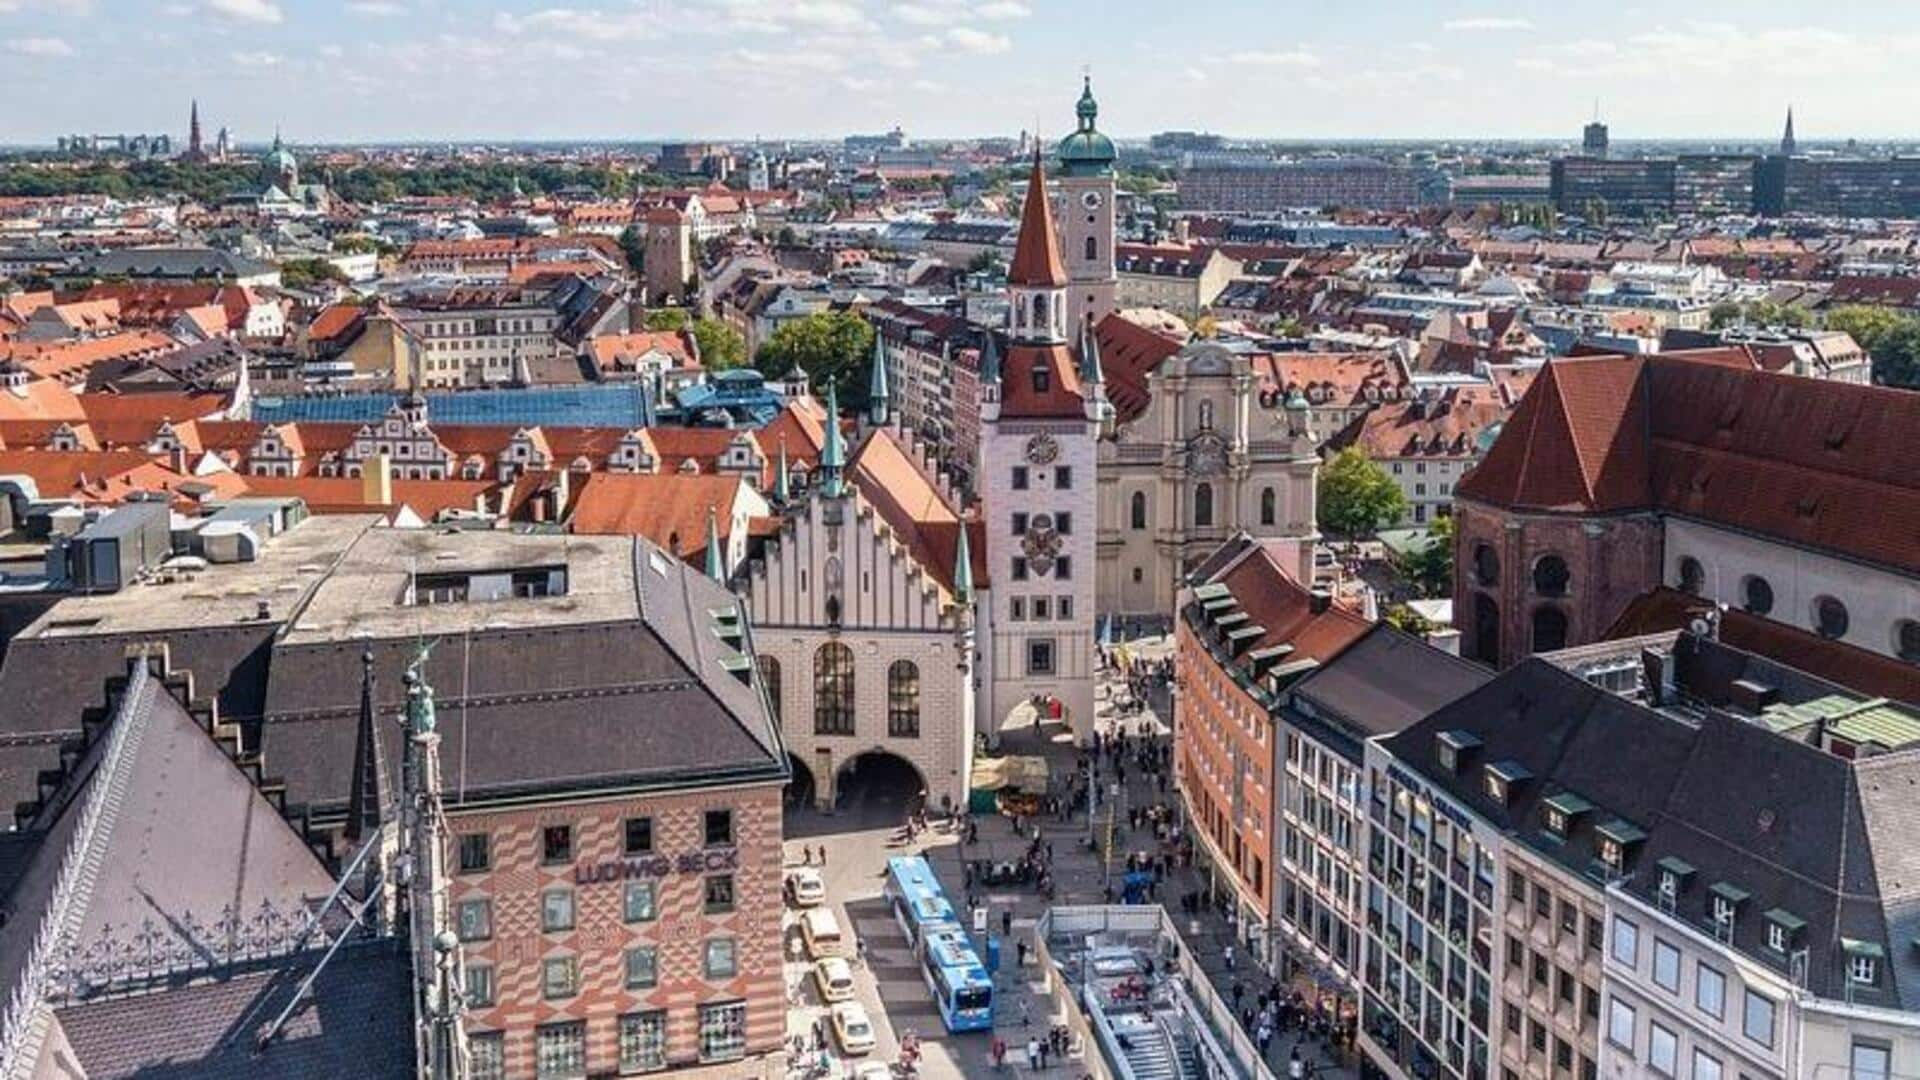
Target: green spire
x: 782, y: 482
x: 1088, y: 109
x: 962, y: 568
x: 1090, y: 372
x: 834, y: 457
x: 877, y: 385
x: 716, y: 567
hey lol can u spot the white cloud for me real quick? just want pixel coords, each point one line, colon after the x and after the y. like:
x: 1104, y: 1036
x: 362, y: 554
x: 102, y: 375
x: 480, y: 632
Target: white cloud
x: 39, y: 46
x: 968, y: 39
x: 332, y: 52
x: 1487, y: 22
x: 254, y: 11
x: 1276, y: 58
x: 591, y: 25
x: 1004, y: 9
x: 258, y: 59
x: 50, y: 7
x: 379, y: 9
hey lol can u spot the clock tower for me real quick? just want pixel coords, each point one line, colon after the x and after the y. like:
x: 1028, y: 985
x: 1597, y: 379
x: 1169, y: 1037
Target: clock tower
x: 1042, y: 405
x: 1086, y: 214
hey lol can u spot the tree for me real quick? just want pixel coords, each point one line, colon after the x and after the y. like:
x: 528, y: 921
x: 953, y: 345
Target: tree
x: 1357, y: 496
x: 835, y: 345
x: 1756, y: 313
x: 982, y: 261
x: 1430, y: 569
x: 1892, y: 338
x: 721, y: 346
x: 306, y: 273
x: 634, y: 247
x: 665, y: 319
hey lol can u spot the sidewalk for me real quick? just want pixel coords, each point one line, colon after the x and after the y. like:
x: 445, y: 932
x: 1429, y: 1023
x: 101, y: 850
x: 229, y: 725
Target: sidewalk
x: 1080, y: 877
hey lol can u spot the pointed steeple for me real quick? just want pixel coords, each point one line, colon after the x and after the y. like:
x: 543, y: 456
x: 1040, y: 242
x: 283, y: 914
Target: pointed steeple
x: 194, y: 149
x: 1090, y: 372
x: 1788, y: 145
x: 877, y: 397
x: 1036, y: 254
x: 716, y: 564
x: 833, y: 457
x: 782, y: 479
x: 367, y: 801
x: 962, y: 567
x: 990, y: 361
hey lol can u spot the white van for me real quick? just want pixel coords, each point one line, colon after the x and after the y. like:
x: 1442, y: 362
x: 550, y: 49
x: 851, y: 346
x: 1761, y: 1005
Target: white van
x: 821, y: 931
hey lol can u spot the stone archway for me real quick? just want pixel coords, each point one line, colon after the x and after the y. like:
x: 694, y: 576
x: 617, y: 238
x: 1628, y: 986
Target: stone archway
x: 879, y: 786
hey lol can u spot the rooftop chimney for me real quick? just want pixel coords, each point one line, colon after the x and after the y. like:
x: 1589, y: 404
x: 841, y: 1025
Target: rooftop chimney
x: 1319, y: 600
x: 376, y: 481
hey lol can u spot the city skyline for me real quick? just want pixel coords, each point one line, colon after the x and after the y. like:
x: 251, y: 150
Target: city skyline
x: 428, y: 70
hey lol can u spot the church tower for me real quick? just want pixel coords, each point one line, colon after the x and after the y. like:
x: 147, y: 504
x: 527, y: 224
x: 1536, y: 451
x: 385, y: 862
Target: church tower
x: 1086, y: 214
x: 1041, y: 409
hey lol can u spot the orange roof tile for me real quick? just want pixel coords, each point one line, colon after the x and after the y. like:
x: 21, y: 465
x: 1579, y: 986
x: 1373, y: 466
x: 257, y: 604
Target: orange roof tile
x: 669, y: 509
x: 1036, y: 254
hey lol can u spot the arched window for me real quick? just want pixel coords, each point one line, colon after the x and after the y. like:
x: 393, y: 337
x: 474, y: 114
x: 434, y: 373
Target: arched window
x: 770, y: 678
x: 1693, y: 576
x: 1829, y: 617
x: 1486, y: 629
x: 903, y: 699
x: 833, y: 689
x: 1486, y: 565
x: 1039, y: 310
x: 1550, y: 576
x: 1756, y: 595
x: 1206, y: 415
x: 1137, y: 512
x: 1268, y: 508
x: 1549, y: 629
x: 1203, y: 505
x: 1093, y: 249
x: 1906, y: 640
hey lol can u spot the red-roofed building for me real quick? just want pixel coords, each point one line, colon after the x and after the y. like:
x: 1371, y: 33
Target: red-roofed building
x: 1792, y: 498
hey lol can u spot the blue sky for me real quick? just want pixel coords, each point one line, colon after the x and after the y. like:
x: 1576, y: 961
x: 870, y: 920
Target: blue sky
x: 463, y: 69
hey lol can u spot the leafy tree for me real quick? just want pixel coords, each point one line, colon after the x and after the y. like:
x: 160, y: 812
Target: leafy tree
x: 1756, y: 313
x: 356, y: 244
x: 666, y: 319
x: 1407, y: 621
x: 1206, y: 328
x: 634, y: 247
x: 1892, y: 338
x: 305, y: 273
x: 1357, y: 496
x: 1430, y: 569
x: 721, y: 346
x: 835, y: 345
x: 982, y: 261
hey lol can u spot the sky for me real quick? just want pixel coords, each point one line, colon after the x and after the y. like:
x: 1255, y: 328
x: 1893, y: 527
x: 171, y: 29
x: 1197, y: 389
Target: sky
x: 390, y: 70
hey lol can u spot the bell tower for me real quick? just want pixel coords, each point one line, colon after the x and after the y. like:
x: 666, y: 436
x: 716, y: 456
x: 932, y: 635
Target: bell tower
x: 1087, y: 215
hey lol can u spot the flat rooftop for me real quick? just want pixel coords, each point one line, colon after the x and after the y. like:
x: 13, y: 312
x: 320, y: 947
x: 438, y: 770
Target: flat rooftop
x: 365, y: 595
x: 289, y: 568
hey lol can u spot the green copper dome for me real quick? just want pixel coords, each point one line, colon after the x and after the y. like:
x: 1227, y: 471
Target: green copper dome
x: 1086, y: 152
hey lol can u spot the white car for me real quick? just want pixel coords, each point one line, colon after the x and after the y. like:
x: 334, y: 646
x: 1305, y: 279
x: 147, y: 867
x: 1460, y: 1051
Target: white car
x: 871, y: 1070
x: 852, y: 1029
x: 834, y: 977
x: 806, y: 888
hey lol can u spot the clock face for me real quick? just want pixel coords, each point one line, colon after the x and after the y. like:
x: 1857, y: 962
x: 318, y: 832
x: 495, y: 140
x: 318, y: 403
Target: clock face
x: 1042, y: 449
x: 1091, y: 200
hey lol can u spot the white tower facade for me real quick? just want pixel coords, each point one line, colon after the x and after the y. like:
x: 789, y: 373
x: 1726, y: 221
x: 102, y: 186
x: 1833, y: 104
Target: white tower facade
x: 1041, y: 411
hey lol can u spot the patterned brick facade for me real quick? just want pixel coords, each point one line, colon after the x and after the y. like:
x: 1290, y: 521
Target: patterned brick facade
x: 518, y: 879
x: 1224, y: 767
x: 1512, y: 611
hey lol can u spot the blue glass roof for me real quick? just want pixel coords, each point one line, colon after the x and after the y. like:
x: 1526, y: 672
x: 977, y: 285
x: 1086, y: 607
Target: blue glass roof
x: 622, y: 406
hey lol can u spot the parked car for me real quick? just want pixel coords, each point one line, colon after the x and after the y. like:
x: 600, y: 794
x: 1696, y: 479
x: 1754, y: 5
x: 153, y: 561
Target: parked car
x: 806, y: 888
x: 852, y: 1028
x: 834, y: 977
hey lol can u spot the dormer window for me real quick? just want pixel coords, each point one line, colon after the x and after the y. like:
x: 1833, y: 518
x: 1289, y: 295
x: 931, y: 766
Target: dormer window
x: 1562, y: 811
x: 1725, y: 907
x: 1452, y: 747
x: 1674, y: 875
x: 1617, y: 839
x: 1863, y: 961
x: 1501, y: 776
x: 1783, y: 930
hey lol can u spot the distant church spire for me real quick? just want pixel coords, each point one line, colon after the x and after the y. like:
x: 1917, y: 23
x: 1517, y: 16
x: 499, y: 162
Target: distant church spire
x: 833, y: 458
x: 367, y: 800
x: 1788, y: 146
x: 194, y: 149
x: 716, y: 565
x: 877, y: 397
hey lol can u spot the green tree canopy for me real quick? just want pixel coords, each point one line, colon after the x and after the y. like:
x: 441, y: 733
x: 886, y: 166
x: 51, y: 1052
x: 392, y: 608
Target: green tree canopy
x: 1430, y: 569
x: 1357, y: 496
x: 305, y: 273
x: 634, y: 247
x: 666, y: 319
x: 1756, y: 313
x: 835, y: 345
x: 721, y: 346
x: 1892, y: 338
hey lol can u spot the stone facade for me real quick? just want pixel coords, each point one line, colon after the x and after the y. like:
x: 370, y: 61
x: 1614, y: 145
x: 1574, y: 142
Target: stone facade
x: 587, y: 903
x: 1201, y: 464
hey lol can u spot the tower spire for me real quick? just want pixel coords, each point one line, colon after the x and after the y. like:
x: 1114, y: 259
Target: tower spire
x: 367, y: 802
x: 1036, y: 254
x: 1788, y: 145
x: 194, y: 150
x: 1090, y: 372
x: 716, y: 565
x: 833, y: 457
x: 782, y: 479
x: 962, y: 567
x: 877, y: 397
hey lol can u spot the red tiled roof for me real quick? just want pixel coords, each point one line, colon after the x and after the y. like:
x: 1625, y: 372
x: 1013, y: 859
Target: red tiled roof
x: 1036, y: 254
x: 1128, y: 354
x: 911, y: 504
x: 1577, y: 442
x: 1020, y: 397
x: 335, y: 322
x: 1283, y: 608
x: 669, y: 508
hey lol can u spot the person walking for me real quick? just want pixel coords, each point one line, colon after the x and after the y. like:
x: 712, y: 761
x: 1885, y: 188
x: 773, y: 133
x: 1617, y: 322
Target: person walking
x: 1033, y: 1054
x: 1006, y: 923
x: 1227, y: 955
x: 1296, y: 1069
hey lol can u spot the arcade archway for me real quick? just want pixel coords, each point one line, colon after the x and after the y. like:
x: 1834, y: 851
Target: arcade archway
x: 880, y: 787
